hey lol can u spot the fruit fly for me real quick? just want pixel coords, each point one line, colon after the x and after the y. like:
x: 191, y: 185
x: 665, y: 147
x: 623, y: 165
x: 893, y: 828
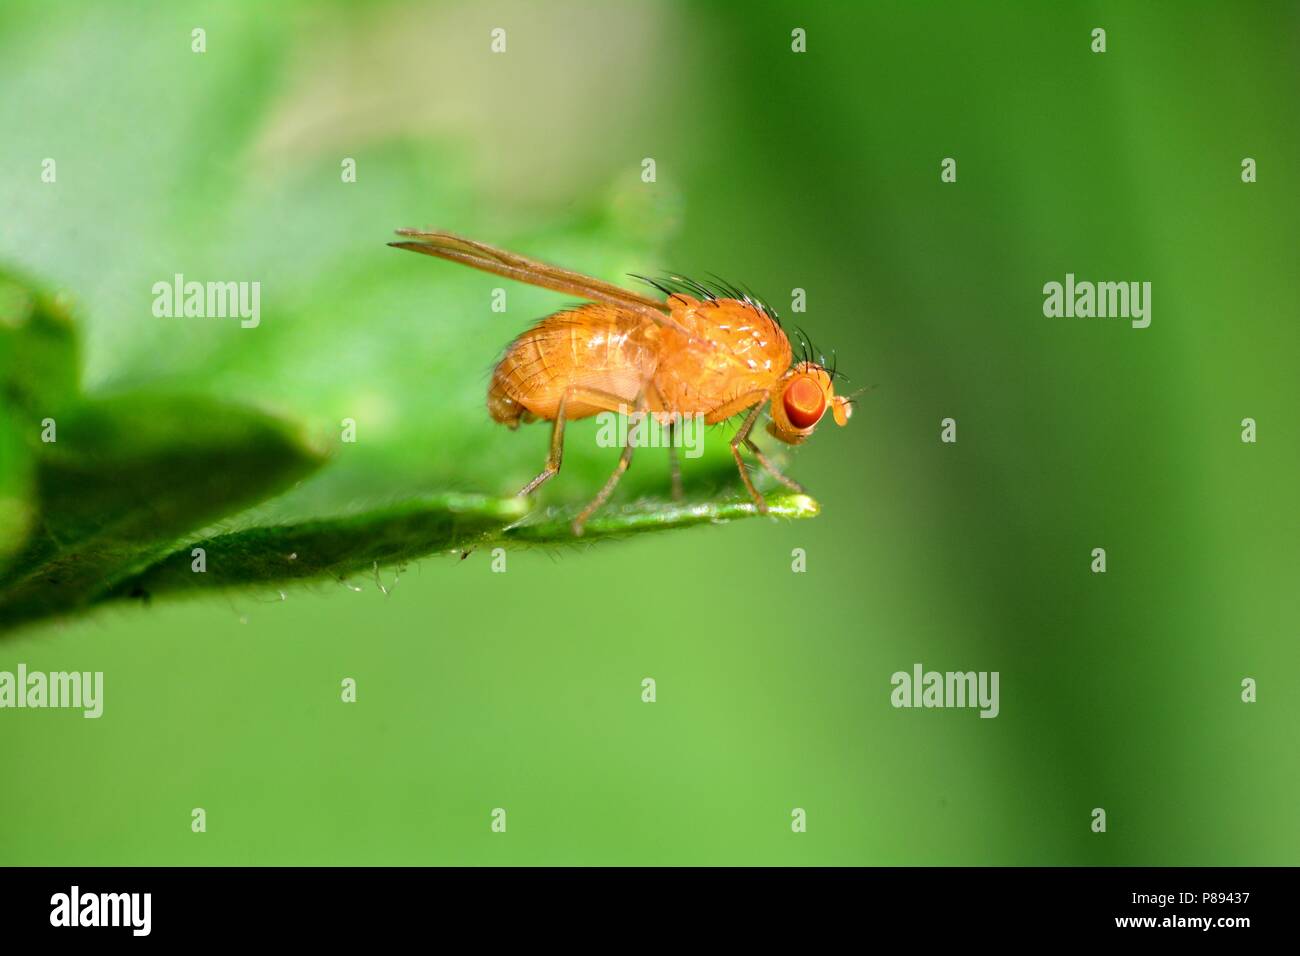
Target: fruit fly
x: 708, y: 349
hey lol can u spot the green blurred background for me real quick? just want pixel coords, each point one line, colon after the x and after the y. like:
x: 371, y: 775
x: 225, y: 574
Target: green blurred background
x: 817, y: 170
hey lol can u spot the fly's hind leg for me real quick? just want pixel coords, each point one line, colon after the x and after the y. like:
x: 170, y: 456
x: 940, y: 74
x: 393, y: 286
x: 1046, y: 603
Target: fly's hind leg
x: 624, y: 460
x: 607, y: 401
x: 771, y: 470
x: 556, y: 454
x: 673, y: 465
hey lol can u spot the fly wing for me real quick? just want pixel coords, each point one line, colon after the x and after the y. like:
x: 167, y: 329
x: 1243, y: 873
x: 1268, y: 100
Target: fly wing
x: 480, y: 255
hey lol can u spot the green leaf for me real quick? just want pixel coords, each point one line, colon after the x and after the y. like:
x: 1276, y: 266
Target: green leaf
x: 39, y: 361
x: 555, y: 526
x: 39, y: 370
x: 126, y: 477
x: 15, y: 488
x: 334, y: 548
x: 369, y: 540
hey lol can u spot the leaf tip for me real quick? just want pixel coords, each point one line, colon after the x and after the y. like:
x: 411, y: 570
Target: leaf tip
x: 795, y: 506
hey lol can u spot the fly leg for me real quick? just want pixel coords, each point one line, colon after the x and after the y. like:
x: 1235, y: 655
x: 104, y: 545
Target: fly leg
x: 673, y: 465
x: 742, y: 438
x: 624, y: 460
x: 767, y: 466
x: 607, y: 401
x: 556, y: 454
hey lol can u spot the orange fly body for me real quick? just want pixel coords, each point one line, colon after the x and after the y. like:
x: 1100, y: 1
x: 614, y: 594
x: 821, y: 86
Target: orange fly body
x: 708, y: 350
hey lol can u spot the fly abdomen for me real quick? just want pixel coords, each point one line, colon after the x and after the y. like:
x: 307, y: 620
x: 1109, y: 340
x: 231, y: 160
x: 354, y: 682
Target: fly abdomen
x: 597, y: 347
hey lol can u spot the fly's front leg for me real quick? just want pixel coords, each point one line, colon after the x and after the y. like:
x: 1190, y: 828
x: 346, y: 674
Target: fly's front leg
x: 742, y: 438
x: 624, y: 460
x: 767, y: 465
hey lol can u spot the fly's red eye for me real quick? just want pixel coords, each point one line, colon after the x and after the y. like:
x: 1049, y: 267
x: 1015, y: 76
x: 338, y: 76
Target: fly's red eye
x: 804, y: 402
